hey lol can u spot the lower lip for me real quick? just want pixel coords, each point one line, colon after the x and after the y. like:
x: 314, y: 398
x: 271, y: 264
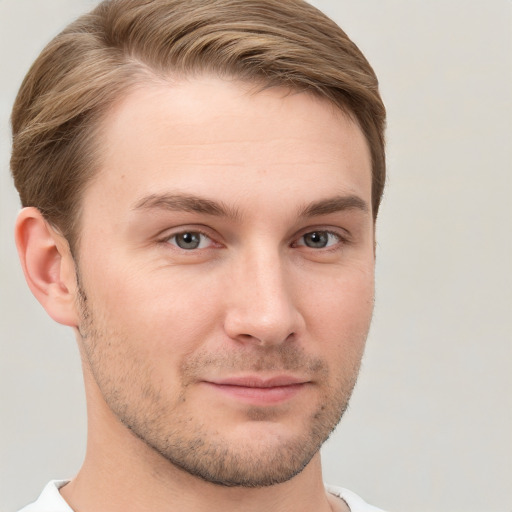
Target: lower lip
x: 259, y: 396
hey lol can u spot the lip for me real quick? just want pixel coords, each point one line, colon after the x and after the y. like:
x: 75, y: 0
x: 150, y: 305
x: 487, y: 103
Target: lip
x: 257, y: 390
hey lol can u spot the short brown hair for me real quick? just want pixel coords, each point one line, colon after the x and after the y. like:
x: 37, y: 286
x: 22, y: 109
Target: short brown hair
x: 96, y: 59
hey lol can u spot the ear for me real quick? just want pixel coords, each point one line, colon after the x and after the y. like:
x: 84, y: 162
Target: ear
x: 48, y: 266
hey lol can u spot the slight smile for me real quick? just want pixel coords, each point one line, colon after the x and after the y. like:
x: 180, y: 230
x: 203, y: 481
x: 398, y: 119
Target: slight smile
x: 258, y: 391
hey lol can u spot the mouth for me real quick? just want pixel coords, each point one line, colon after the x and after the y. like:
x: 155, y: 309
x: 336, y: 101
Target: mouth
x: 256, y: 390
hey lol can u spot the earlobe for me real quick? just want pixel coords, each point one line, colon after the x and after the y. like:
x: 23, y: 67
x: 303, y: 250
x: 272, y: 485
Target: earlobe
x: 48, y: 265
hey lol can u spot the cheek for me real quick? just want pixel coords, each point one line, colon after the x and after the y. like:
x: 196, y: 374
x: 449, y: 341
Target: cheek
x: 344, y: 292
x: 169, y: 310
x: 340, y: 310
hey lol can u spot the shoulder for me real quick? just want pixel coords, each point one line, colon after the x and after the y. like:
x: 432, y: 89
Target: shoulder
x: 354, y: 502
x: 50, y: 499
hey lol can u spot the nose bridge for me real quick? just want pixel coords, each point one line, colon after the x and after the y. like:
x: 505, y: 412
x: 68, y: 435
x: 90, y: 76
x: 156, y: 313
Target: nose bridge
x: 262, y: 305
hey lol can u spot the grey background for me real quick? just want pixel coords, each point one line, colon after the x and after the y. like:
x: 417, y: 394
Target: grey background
x: 430, y: 424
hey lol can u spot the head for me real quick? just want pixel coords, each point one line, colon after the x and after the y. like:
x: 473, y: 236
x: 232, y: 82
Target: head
x: 209, y: 173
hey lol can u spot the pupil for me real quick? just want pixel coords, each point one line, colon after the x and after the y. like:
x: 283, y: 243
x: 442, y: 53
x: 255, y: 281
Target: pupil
x: 316, y: 239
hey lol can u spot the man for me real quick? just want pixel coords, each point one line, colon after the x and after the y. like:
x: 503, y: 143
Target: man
x: 200, y: 182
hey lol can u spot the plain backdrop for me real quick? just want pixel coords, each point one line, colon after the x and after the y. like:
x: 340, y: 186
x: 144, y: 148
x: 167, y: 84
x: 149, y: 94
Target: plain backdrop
x: 430, y: 424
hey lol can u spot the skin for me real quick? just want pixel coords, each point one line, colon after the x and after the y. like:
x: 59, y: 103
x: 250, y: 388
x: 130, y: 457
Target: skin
x: 214, y: 372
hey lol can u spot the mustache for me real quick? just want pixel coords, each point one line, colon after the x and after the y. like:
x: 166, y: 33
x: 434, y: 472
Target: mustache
x: 284, y: 357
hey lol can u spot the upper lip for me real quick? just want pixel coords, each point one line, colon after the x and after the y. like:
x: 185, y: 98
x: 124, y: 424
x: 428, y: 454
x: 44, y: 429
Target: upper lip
x: 256, y: 381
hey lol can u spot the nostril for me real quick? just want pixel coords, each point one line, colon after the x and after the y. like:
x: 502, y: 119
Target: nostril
x: 261, y: 333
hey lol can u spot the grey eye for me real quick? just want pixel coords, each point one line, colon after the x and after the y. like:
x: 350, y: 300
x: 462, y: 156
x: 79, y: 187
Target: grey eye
x: 316, y: 239
x: 319, y: 239
x: 190, y: 240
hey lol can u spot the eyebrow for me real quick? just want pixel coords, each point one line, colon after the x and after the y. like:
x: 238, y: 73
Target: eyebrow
x: 186, y: 203
x: 333, y: 205
x: 197, y: 204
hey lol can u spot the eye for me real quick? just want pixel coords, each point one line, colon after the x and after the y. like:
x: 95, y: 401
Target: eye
x: 190, y: 240
x: 319, y: 239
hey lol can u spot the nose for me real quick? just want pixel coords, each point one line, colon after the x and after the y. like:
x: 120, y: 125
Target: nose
x: 262, y: 305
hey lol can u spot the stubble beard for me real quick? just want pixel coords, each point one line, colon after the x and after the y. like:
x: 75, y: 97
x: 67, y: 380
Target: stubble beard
x: 183, y: 439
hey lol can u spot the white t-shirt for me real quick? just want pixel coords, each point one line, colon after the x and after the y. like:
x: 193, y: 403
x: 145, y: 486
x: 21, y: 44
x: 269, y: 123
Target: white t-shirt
x: 51, y: 500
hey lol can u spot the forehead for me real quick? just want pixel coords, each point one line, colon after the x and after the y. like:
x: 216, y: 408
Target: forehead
x: 226, y: 139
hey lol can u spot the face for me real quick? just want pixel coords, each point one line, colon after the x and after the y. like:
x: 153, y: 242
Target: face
x: 226, y: 275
